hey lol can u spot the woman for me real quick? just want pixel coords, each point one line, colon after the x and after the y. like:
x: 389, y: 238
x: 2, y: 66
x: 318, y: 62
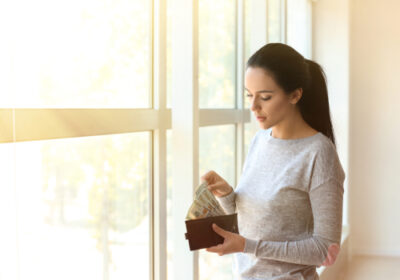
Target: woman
x: 289, y: 196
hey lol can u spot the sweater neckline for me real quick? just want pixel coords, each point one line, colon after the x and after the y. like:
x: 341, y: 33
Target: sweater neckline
x: 280, y: 141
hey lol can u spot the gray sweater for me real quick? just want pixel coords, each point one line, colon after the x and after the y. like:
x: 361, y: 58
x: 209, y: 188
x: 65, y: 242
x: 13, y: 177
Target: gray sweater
x: 289, y: 204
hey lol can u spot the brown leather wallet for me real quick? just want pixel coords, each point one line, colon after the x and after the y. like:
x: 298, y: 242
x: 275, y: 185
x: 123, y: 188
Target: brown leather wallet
x: 201, y: 234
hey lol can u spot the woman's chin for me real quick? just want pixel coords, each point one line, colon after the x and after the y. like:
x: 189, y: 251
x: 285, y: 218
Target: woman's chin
x: 263, y: 125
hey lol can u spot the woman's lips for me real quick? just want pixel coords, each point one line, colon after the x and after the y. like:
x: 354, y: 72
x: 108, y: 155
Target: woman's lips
x: 260, y: 118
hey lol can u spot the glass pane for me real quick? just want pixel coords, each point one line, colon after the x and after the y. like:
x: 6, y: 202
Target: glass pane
x: 246, y: 101
x: 77, y: 53
x: 247, y: 29
x: 217, y: 152
x: 274, y: 21
x: 298, y: 26
x: 250, y: 129
x: 170, y: 225
x: 8, y: 240
x: 83, y: 207
x: 169, y: 53
x: 217, y: 61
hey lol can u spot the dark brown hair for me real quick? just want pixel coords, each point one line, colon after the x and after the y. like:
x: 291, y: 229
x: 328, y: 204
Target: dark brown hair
x: 291, y: 71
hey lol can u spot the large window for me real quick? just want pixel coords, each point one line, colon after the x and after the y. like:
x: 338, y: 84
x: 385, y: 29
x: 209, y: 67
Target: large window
x: 217, y: 152
x: 217, y: 53
x: 87, y: 54
x: 84, y: 203
x: 110, y: 113
x: 299, y: 26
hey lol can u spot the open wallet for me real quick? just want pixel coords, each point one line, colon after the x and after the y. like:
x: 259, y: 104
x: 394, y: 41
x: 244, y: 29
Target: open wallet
x: 204, y: 211
x: 201, y: 234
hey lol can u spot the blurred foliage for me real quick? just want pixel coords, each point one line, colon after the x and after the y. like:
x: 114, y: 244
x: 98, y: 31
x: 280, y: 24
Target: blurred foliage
x: 217, y: 152
x: 104, y: 178
x: 93, y: 54
x: 217, y: 53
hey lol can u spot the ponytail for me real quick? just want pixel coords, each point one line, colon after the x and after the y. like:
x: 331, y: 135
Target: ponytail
x: 314, y: 103
x: 291, y: 71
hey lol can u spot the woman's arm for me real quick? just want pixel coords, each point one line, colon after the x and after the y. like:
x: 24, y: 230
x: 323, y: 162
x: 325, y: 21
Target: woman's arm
x: 228, y: 202
x: 326, y: 202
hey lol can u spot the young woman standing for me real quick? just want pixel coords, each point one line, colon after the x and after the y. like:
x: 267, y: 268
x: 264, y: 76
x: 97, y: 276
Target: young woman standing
x: 290, y: 194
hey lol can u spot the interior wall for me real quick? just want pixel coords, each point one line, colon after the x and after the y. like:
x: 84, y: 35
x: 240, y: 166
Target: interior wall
x: 375, y: 127
x: 357, y: 42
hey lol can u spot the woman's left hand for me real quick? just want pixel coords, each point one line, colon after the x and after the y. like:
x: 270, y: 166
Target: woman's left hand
x: 333, y: 252
x: 233, y: 242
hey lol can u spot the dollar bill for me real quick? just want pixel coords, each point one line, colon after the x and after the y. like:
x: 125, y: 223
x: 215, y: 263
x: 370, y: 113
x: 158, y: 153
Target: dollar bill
x: 203, y: 194
x: 204, y: 204
x: 197, y: 211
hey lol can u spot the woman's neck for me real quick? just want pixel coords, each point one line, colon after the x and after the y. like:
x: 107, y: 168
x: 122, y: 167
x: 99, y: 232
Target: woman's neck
x: 293, y: 127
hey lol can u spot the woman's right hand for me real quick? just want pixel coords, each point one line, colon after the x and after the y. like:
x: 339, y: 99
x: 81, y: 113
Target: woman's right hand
x: 216, y: 184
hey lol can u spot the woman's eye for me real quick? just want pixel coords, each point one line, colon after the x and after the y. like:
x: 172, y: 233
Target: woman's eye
x: 265, y: 99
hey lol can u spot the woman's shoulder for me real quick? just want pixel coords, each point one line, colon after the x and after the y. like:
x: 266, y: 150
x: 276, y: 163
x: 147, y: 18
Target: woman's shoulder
x: 326, y: 163
x: 324, y: 145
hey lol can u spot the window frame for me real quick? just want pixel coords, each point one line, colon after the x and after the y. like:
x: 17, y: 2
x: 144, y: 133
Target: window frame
x: 184, y: 118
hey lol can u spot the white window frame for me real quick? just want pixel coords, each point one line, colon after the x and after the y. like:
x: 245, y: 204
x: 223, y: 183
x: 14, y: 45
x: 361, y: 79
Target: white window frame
x: 184, y: 118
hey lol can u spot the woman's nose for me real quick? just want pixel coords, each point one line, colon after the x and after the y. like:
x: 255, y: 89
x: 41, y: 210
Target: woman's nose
x: 254, y: 104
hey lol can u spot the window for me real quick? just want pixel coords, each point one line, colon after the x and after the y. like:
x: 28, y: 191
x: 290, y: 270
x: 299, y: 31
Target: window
x: 217, y: 53
x: 83, y: 203
x: 299, y: 26
x: 86, y: 54
x: 217, y: 152
x: 112, y: 111
x: 276, y: 27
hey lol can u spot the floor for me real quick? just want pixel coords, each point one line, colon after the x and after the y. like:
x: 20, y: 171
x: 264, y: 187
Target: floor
x: 373, y: 268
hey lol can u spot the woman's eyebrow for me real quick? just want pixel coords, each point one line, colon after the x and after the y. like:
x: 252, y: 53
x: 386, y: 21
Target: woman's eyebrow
x: 261, y: 91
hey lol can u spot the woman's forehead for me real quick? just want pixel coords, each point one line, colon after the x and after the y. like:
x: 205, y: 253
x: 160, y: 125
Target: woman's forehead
x: 258, y: 79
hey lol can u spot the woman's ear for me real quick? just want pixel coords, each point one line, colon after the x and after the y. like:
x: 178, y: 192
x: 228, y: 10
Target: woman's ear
x: 295, y: 96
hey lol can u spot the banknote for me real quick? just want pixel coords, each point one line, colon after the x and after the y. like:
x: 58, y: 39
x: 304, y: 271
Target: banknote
x: 213, y: 204
x: 204, y: 204
x: 204, y: 195
x: 197, y: 211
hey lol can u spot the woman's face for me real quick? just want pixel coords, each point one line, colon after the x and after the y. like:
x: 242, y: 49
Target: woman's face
x: 268, y: 100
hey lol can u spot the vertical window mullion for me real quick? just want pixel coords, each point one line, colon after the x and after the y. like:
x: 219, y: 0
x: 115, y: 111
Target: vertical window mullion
x: 185, y: 126
x: 284, y: 21
x: 159, y: 219
x: 152, y: 152
x: 240, y: 63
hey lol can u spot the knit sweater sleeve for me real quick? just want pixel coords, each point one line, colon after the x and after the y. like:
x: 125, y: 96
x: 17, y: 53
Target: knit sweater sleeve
x: 228, y: 202
x: 326, y: 202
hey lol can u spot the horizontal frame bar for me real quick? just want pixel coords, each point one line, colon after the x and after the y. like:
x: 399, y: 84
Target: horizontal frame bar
x: 45, y: 124
x: 6, y: 125
x: 209, y: 117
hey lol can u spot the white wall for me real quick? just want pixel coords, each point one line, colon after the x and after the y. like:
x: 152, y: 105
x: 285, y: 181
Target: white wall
x: 358, y: 44
x: 374, y: 159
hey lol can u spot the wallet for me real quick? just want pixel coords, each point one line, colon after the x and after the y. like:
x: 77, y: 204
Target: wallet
x: 200, y: 233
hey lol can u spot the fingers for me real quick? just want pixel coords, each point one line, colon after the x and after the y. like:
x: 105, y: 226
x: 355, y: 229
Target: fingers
x: 208, y: 176
x: 215, y: 249
x: 333, y: 251
x: 220, y: 231
x: 216, y: 186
